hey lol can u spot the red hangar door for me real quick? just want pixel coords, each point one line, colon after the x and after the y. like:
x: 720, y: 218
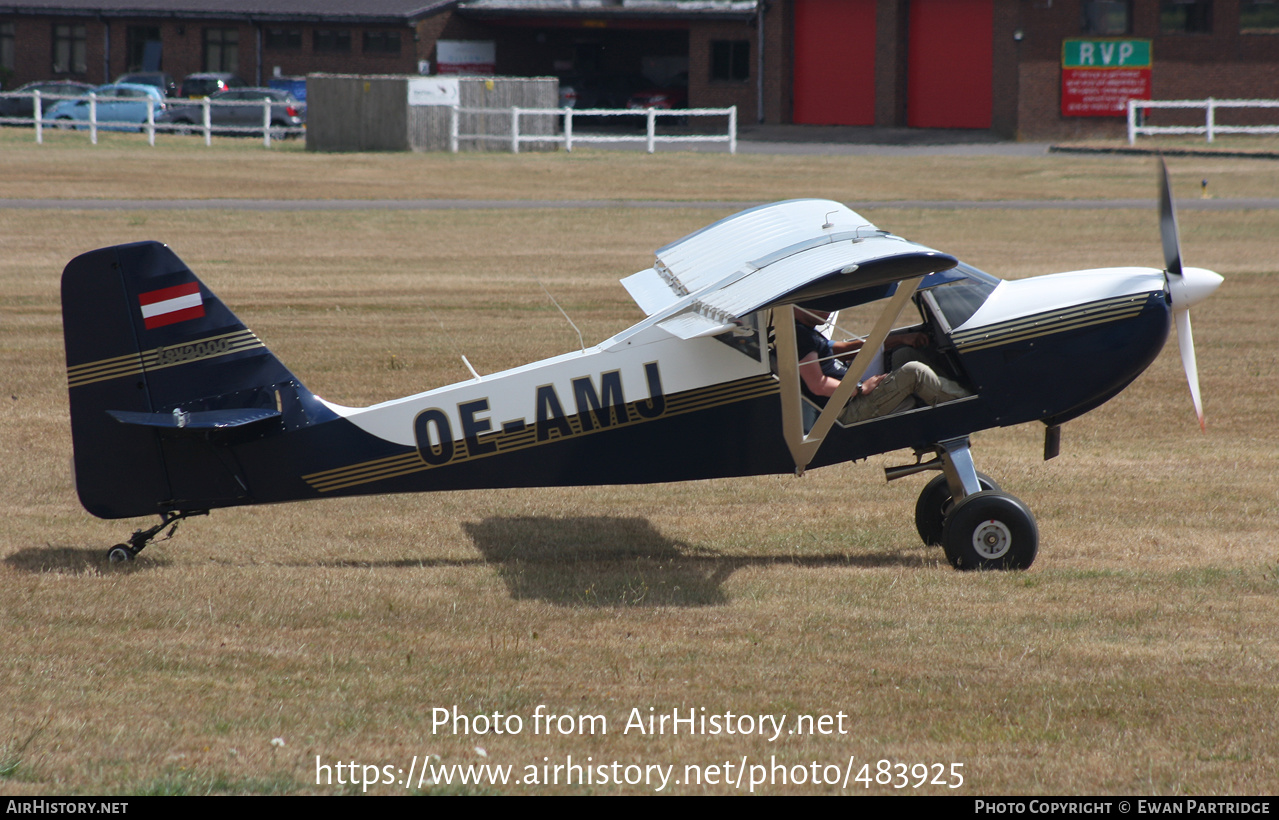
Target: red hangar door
x: 949, y: 60
x: 834, y: 62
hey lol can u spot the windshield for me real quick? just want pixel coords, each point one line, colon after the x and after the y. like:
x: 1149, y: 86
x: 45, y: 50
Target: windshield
x: 958, y: 300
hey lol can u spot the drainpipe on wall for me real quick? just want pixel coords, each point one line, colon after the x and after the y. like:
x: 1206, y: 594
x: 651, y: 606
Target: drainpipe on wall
x: 257, y: 31
x: 759, y: 62
x: 106, y: 49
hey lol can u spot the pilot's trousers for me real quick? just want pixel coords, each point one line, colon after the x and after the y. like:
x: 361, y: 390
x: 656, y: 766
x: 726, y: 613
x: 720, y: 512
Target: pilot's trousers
x: 894, y: 394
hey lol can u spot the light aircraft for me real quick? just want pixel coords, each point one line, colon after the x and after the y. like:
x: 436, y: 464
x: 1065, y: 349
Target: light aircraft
x: 177, y: 408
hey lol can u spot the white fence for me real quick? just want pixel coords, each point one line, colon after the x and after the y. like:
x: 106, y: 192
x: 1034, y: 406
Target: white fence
x: 149, y: 126
x: 514, y: 138
x: 1210, y: 128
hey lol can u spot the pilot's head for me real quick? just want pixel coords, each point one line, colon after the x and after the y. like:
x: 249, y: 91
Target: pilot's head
x: 811, y: 318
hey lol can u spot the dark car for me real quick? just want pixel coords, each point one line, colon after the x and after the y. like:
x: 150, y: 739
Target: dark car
x: 240, y: 111
x: 209, y: 82
x: 159, y: 79
x: 21, y: 103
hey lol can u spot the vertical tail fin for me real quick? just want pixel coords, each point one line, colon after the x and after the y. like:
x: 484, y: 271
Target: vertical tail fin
x: 163, y: 378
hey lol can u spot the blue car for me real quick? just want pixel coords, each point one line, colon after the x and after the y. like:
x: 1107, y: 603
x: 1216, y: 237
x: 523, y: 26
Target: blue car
x: 120, y: 107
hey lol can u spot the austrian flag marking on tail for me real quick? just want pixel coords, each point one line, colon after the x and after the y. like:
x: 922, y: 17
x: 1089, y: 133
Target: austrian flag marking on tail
x: 168, y: 306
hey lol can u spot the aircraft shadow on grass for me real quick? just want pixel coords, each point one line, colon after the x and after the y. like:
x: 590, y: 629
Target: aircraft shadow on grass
x: 603, y: 561
x: 586, y: 561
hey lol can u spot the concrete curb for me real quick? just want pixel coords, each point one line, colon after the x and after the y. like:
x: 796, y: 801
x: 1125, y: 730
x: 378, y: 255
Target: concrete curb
x: 1167, y: 152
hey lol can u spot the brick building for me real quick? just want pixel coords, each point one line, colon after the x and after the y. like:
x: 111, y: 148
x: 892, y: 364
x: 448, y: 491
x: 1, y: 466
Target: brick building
x: 984, y: 64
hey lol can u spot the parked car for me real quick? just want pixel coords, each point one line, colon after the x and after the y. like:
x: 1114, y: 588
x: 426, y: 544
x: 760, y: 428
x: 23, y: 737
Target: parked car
x: 117, y: 105
x: 239, y: 111
x: 209, y: 82
x: 20, y: 103
x: 159, y: 79
x: 672, y: 95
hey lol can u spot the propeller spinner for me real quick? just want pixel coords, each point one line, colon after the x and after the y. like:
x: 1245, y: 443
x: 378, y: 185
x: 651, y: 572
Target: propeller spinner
x: 1186, y: 286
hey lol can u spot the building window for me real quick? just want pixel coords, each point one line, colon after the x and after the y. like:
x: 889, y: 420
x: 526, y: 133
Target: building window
x: 1185, y: 16
x: 1106, y: 17
x: 730, y: 60
x: 1259, y: 16
x: 6, y: 49
x: 333, y: 40
x: 283, y: 39
x: 381, y: 42
x: 222, y: 50
x: 68, y: 50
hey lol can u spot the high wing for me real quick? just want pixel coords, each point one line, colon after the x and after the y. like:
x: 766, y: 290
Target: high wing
x: 799, y: 251
x: 811, y: 252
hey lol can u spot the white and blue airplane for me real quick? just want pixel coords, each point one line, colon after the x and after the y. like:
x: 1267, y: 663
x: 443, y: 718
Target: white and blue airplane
x: 177, y: 408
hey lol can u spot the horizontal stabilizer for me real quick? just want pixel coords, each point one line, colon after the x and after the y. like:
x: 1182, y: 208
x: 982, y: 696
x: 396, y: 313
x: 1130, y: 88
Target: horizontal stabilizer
x: 201, y: 421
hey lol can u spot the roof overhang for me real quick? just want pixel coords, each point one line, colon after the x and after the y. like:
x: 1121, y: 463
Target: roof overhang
x: 589, y: 13
x: 263, y: 11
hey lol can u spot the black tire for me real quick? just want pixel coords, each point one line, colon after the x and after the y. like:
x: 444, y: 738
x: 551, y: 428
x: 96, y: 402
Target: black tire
x: 119, y: 554
x: 935, y: 502
x: 63, y: 123
x: 278, y: 131
x: 990, y: 530
x: 184, y: 128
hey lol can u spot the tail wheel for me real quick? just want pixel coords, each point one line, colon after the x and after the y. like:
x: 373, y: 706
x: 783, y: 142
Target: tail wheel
x: 990, y: 530
x: 935, y: 502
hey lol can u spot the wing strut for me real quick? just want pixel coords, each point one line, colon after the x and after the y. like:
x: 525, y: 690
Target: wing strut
x: 803, y: 447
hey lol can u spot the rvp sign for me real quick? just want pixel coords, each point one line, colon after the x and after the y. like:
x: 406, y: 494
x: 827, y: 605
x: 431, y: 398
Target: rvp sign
x: 1105, y: 54
x: 1098, y: 77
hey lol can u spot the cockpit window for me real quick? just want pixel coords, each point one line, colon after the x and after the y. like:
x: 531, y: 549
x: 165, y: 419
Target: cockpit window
x: 744, y: 337
x: 959, y: 300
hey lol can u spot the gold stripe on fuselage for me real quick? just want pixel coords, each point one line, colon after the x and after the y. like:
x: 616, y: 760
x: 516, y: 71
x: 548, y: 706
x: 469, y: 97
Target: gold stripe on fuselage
x: 689, y: 401
x: 1044, y: 324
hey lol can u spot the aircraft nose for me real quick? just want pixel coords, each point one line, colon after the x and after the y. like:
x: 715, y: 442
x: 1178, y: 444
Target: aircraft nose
x: 1192, y: 286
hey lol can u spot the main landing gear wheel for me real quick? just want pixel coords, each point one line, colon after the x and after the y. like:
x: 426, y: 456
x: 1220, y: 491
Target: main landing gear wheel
x: 990, y: 530
x: 120, y: 554
x: 935, y: 502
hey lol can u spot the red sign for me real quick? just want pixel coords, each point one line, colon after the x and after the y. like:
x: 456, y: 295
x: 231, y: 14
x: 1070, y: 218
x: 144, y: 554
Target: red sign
x: 1102, y: 92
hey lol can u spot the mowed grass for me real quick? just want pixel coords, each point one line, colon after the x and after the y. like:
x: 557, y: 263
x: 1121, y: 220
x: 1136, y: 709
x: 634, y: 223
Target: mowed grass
x: 123, y: 166
x: 1137, y: 656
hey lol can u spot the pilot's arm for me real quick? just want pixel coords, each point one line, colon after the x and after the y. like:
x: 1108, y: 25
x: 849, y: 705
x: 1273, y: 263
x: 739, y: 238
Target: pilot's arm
x: 817, y: 382
x: 810, y: 370
x: 848, y: 348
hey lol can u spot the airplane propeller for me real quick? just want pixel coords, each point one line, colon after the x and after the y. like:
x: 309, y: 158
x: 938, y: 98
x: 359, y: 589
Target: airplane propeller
x: 1186, y: 286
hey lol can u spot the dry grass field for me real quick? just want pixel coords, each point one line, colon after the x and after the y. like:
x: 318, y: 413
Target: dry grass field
x: 1138, y: 655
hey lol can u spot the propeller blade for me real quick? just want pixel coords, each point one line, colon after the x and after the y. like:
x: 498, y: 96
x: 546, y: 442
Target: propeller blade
x: 1186, y: 341
x: 1168, y: 223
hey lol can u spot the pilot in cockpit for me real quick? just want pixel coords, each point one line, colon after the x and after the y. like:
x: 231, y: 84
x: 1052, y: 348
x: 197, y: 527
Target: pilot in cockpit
x: 911, y: 377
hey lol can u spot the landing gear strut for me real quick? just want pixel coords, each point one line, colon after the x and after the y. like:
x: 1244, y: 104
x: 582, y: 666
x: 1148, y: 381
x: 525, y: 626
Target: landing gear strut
x: 978, y: 525
x: 123, y: 553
